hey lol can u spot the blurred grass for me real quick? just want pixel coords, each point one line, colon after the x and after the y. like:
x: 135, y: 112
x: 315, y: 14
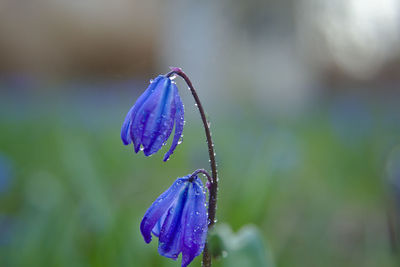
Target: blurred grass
x: 313, y: 183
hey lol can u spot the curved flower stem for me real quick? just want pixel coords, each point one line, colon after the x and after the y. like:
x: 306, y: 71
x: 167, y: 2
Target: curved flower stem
x: 203, y: 171
x: 213, y: 188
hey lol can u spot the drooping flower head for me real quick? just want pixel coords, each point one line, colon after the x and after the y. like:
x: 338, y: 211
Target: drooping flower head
x: 179, y: 219
x: 150, y: 121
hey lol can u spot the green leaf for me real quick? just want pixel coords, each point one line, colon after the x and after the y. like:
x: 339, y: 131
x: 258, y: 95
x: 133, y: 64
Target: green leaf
x: 245, y: 248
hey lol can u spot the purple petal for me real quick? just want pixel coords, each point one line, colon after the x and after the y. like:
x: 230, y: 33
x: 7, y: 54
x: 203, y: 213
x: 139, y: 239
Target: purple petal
x: 159, y: 126
x: 179, y: 121
x: 195, y: 223
x: 157, y: 228
x: 125, y: 135
x: 170, y: 239
x: 145, y: 110
x: 125, y: 129
x: 159, y: 207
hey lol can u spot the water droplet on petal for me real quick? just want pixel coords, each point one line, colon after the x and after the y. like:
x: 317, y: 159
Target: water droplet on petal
x: 180, y: 140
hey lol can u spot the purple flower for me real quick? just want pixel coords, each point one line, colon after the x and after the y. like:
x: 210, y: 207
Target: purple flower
x: 179, y: 219
x: 150, y: 121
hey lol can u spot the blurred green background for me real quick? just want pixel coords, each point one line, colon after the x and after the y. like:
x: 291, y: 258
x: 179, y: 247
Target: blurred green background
x: 303, y: 101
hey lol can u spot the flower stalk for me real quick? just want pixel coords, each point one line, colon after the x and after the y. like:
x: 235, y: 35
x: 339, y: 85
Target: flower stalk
x: 213, y: 188
x: 203, y: 171
x: 178, y: 217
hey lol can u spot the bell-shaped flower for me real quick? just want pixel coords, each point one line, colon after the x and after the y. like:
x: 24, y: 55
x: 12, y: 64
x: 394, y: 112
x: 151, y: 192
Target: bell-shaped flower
x: 150, y: 121
x: 179, y: 219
